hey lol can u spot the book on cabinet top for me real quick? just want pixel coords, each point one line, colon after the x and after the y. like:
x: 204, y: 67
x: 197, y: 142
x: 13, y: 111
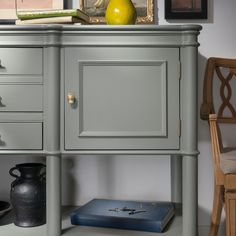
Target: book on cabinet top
x: 26, y: 15
x: 52, y: 20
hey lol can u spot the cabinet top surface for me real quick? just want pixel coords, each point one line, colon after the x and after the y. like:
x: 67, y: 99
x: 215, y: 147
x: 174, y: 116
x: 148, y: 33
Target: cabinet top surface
x: 101, y: 28
x: 102, y: 35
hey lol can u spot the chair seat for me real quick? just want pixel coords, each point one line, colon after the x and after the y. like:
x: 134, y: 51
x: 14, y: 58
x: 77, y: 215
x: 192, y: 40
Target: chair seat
x: 228, y: 162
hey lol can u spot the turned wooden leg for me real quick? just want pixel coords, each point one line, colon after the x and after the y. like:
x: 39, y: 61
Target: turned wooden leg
x: 230, y: 202
x: 217, y: 210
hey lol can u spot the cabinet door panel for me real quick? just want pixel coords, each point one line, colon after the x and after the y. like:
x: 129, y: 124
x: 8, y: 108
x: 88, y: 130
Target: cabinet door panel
x: 126, y: 98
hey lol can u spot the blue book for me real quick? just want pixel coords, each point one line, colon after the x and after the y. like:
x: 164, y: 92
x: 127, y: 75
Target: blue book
x: 133, y: 215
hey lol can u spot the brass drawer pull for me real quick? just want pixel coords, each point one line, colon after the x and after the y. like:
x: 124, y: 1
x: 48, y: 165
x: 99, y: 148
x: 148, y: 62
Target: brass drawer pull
x: 71, y: 98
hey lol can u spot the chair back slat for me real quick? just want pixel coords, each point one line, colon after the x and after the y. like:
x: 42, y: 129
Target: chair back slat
x: 226, y: 111
x: 226, y: 120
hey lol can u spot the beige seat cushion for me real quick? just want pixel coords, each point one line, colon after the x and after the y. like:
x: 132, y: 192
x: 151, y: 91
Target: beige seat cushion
x: 228, y: 162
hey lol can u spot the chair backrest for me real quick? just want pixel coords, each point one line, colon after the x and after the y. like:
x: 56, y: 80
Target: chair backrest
x: 215, y: 70
x: 223, y: 71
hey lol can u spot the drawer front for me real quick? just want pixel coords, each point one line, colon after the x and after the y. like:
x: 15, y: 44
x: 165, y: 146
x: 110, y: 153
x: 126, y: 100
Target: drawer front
x: 21, y: 136
x: 125, y: 98
x: 21, y: 61
x: 21, y: 97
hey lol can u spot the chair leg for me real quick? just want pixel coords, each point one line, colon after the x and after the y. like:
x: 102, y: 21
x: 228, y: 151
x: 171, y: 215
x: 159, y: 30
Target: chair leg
x: 217, y: 210
x: 230, y: 202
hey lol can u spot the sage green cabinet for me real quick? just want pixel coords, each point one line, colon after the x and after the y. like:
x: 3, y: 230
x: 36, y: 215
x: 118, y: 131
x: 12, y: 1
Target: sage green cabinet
x: 125, y: 98
x: 102, y: 90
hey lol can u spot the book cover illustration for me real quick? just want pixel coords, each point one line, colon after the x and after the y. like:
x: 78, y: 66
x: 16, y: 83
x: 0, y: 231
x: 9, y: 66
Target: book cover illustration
x: 133, y: 215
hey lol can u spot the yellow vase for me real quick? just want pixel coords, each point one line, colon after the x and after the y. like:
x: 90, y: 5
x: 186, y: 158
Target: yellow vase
x: 121, y: 12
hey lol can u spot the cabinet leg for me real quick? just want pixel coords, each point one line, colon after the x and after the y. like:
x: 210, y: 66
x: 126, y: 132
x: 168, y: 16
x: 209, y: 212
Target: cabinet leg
x: 54, y: 195
x: 190, y: 204
x: 176, y: 179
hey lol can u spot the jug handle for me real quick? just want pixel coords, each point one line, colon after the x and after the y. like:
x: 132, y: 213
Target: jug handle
x: 43, y: 175
x: 12, y: 174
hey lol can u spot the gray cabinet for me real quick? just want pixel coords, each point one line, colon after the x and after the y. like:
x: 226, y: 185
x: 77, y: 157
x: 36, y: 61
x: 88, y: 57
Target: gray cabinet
x: 121, y: 98
x: 75, y: 90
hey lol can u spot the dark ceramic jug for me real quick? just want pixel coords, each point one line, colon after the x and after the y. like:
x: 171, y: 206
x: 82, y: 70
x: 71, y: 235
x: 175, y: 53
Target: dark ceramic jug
x: 28, y: 194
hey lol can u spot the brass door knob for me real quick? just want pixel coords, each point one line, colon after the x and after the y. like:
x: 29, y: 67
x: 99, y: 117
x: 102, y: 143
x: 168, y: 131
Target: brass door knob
x: 71, y: 98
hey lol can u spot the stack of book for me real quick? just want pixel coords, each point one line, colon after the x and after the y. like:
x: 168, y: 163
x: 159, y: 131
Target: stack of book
x: 66, y: 16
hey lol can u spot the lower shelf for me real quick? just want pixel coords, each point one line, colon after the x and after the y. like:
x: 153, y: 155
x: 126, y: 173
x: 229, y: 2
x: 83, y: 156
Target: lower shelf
x: 7, y: 228
x: 174, y: 229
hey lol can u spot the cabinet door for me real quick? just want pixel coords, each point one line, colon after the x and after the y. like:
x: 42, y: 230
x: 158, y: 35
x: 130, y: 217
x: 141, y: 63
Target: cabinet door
x: 125, y: 98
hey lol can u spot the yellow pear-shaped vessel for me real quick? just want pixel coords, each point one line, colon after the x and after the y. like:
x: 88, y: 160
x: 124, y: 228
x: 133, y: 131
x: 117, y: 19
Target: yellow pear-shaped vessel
x: 121, y: 12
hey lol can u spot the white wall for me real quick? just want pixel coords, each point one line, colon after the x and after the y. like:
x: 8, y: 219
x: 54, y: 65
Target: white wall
x: 147, y: 177
x: 120, y: 177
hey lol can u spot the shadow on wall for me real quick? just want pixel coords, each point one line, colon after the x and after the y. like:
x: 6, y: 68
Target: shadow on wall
x: 97, y: 172
x: 205, y: 169
x: 115, y: 177
x: 204, y: 134
x: 203, y: 212
x: 68, y: 180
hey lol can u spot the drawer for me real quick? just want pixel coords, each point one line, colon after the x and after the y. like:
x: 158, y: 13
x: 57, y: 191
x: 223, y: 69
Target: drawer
x: 21, y: 97
x: 21, y: 136
x: 18, y: 61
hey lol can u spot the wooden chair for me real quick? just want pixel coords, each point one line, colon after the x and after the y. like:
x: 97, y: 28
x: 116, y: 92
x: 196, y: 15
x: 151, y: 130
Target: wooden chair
x: 224, y: 158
